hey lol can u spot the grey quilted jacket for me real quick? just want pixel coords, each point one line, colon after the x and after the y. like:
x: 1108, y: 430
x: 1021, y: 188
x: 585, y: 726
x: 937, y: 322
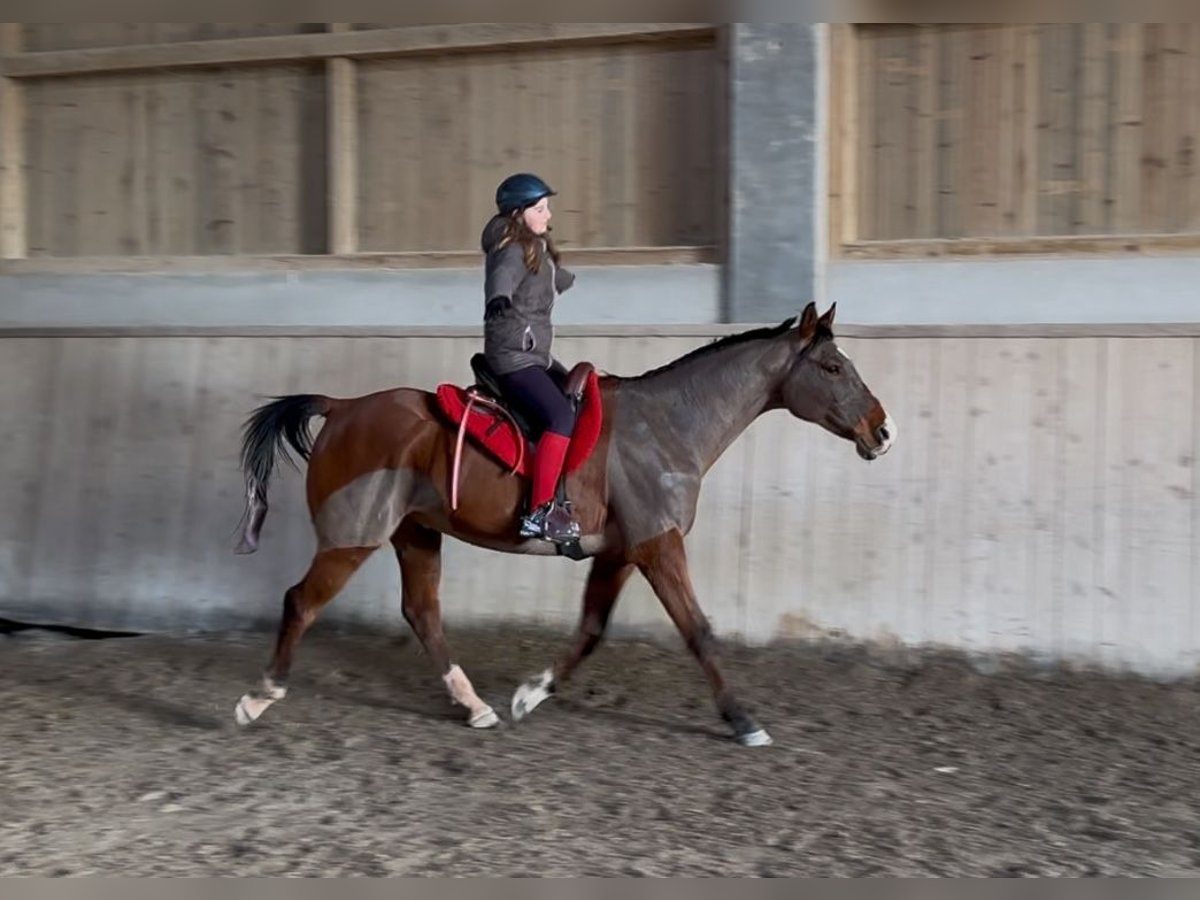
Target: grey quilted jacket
x: 517, y: 330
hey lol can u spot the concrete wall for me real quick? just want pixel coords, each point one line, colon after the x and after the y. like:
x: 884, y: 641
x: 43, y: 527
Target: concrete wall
x: 1041, y: 498
x: 1134, y: 289
x: 776, y: 217
x: 669, y: 294
x: 1062, y: 289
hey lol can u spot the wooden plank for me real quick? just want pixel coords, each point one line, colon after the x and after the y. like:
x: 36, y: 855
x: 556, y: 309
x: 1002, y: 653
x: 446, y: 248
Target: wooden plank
x: 950, y: 165
x: 1081, y: 467
x: 1008, y: 129
x: 1026, y: 201
x: 1194, y: 636
x: 888, y: 153
x: 1114, y: 486
x: 379, y: 190
x: 1157, y: 426
x: 1127, y: 149
x: 1057, y: 183
x: 1156, y: 129
x: 1103, y: 245
x: 950, y: 476
x: 14, y: 237
x: 137, y: 176
x: 703, y: 144
x: 342, y: 97
x: 998, y: 495
x: 1189, y: 131
x: 613, y: 139
x: 1045, y: 467
x: 83, y: 36
x: 1177, y: 108
x: 1190, y: 144
x: 984, y: 121
x: 1094, y: 128
x: 852, y: 150
x: 178, y: 189
x: 925, y: 119
x: 912, y: 524
x: 388, y: 42
x: 867, y: 157
x: 217, y: 226
x: 890, y: 569
x: 834, y: 103
x: 27, y: 393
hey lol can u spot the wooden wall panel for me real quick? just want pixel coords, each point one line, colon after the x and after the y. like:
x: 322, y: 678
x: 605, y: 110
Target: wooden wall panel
x: 626, y: 135
x: 1009, y: 131
x: 232, y: 159
x: 197, y: 162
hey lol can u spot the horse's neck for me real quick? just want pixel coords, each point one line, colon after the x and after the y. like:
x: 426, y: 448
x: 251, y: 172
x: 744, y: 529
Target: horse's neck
x: 707, y: 403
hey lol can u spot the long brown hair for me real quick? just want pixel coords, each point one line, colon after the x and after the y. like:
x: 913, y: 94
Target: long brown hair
x: 515, y: 229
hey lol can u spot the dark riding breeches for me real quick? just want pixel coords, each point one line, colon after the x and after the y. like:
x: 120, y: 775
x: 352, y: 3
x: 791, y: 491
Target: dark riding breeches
x: 538, y: 395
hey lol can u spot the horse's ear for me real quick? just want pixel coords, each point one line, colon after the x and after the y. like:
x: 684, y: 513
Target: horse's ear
x: 808, y: 321
x: 826, y: 321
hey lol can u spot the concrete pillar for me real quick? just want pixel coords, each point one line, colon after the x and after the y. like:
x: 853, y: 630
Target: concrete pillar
x: 775, y: 254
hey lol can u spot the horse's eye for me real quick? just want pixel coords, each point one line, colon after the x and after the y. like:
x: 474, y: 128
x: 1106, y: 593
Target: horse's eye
x: 833, y: 368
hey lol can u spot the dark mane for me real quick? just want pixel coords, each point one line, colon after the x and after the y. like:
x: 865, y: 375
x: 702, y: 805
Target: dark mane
x: 731, y: 340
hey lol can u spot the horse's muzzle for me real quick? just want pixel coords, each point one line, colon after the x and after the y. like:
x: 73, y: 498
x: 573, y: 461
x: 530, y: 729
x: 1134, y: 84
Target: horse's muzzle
x: 879, y: 442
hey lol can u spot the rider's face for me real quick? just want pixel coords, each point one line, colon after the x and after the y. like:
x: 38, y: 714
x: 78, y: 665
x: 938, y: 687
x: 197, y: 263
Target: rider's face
x: 537, y: 217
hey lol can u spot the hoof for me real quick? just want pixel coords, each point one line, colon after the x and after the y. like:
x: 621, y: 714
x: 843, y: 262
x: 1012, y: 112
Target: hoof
x: 758, y: 738
x: 255, y: 703
x: 530, y: 695
x: 484, y: 719
x: 247, y: 711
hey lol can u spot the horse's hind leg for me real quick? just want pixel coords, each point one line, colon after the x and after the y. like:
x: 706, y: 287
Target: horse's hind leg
x: 326, y: 576
x: 605, y: 580
x: 419, y: 551
x: 663, y: 561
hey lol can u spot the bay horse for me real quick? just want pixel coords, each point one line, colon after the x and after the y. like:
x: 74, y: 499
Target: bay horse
x: 379, y: 471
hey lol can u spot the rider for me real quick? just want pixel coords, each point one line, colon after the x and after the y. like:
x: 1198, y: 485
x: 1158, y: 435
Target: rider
x: 521, y: 281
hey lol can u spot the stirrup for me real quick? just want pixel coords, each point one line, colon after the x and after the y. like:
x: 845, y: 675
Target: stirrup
x: 551, y: 522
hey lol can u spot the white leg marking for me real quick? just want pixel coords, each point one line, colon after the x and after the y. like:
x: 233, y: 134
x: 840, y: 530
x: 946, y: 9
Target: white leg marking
x: 480, y: 714
x: 758, y: 738
x: 256, y: 702
x: 530, y: 695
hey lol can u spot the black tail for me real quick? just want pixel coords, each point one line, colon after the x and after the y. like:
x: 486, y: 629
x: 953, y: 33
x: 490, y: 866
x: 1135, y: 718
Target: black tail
x: 270, y: 429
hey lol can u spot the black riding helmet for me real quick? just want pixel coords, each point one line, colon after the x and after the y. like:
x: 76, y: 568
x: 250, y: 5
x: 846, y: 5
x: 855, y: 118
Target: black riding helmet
x: 519, y: 191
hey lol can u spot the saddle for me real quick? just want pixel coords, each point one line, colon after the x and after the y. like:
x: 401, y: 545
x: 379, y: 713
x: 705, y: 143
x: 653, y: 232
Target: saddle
x: 481, y: 413
x: 487, y: 382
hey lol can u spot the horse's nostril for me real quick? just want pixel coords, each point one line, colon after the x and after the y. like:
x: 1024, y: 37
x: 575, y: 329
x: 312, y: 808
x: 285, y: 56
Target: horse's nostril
x: 882, y: 434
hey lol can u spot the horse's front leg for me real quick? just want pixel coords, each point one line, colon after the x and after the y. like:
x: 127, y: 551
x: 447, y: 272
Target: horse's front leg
x: 663, y: 561
x: 605, y: 580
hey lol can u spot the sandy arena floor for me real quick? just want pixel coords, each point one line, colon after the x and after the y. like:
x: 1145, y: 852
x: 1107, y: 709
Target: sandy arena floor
x: 122, y: 757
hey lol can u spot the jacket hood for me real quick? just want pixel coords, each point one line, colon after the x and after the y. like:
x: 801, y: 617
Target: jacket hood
x: 492, y: 232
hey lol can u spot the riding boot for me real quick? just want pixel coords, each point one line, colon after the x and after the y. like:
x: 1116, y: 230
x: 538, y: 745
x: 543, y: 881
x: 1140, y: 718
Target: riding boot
x: 547, y: 519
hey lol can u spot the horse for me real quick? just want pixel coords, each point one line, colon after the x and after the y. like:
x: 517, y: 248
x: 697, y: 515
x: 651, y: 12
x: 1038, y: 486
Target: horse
x: 381, y: 469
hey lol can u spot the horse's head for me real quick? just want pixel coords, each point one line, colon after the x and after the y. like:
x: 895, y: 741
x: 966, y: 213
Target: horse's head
x: 822, y: 385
